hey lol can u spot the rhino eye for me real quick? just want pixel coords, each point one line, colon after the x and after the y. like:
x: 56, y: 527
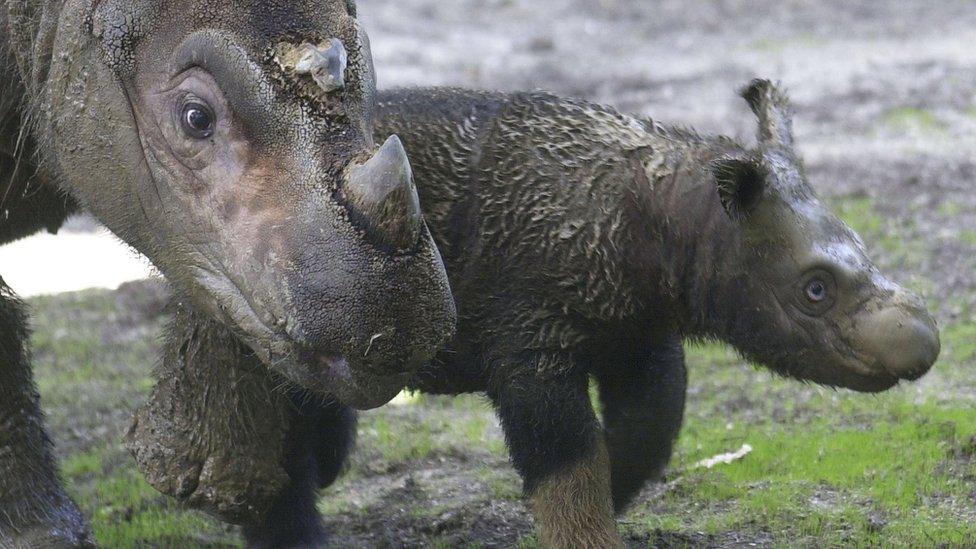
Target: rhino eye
x: 197, y: 120
x: 816, y: 291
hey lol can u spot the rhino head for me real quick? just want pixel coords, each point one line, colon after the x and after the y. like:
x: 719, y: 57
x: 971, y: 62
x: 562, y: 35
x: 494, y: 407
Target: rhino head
x: 802, y: 295
x: 230, y: 142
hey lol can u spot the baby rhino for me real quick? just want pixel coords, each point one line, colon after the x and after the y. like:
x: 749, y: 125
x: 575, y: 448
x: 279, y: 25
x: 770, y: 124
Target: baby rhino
x: 580, y: 242
x: 584, y: 243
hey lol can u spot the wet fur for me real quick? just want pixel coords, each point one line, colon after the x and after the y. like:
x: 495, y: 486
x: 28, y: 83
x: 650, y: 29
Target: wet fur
x: 35, y: 508
x: 28, y: 201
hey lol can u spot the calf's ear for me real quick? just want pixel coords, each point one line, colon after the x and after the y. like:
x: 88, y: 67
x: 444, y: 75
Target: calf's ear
x: 740, y: 183
x: 772, y: 107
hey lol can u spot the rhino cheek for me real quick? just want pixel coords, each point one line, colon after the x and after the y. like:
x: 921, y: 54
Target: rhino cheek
x: 98, y: 146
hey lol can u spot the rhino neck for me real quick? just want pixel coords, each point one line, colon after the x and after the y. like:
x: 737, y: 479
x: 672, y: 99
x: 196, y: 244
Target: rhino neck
x: 687, y: 245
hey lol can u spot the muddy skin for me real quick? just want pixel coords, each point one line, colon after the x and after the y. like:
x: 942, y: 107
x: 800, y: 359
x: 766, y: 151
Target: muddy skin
x: 584, y: 243
x: 223, y: 435
x: 254, y: 185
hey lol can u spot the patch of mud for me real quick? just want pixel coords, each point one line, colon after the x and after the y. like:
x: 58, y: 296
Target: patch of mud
x: 434, y: 501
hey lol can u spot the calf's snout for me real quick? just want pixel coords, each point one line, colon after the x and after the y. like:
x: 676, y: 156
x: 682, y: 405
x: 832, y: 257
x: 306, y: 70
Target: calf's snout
x: 903, y: 337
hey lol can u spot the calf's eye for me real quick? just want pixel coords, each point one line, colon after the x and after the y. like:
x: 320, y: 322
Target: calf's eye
x: 197, y: 120
x: 816, y: 291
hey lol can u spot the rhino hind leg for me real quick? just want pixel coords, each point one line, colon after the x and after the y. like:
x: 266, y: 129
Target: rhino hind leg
x: 35, y: 511
x: 643, y: 399
x: 317, y: 448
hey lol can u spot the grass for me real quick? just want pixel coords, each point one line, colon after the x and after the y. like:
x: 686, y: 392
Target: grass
x: 828, y: 468
x: 849, y: 470
x: 913, y: 119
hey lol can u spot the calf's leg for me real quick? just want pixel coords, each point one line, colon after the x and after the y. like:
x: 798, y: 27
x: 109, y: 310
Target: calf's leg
x: 35, y: 511
x: 557, y: 447
x: 643, y: 400
x: 318, y: 445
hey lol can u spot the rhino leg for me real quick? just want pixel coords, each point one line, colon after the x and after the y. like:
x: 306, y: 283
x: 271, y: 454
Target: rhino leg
x: 221, y: 434
x: 558, y: 448
x: 643, y: 399
x: 35, y: 511
x: 213, y: 432
x: 318, y: 445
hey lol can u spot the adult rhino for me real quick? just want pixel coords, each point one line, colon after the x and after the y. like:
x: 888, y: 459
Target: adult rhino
x: 230, y: 142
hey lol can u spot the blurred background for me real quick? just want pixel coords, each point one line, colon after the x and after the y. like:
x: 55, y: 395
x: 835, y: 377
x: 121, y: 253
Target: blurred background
x: 885, y: 97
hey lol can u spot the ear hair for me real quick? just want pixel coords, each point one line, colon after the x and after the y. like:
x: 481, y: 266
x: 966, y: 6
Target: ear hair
x: 772, y: 107
x: 740, y: 183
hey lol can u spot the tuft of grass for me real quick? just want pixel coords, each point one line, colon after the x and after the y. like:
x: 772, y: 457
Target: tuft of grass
x: 394, y: 441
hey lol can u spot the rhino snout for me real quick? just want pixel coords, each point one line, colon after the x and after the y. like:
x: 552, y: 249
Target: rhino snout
x: 382, y: 192
x: 902, y: 336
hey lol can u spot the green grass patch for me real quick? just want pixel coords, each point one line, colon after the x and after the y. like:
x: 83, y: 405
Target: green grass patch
x: 844, y: 470
x: 913, y: 119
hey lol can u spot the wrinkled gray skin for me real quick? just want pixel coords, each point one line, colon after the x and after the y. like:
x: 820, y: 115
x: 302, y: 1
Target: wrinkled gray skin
x: 584, y: 243
x: 259, y: 193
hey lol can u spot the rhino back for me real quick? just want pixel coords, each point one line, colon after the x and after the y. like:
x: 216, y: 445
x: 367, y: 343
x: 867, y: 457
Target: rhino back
x: 531, y: 199
x: 444, y: 131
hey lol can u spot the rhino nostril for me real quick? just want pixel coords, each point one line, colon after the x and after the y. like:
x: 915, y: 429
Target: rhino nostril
x: 383, y: 193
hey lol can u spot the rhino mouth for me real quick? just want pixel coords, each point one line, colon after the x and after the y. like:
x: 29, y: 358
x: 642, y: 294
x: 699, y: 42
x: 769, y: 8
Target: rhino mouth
x: 834, y: 363
x: 351, y: 386
x: 313, y: 370
x: 864, y: 383
x: 851, y: 370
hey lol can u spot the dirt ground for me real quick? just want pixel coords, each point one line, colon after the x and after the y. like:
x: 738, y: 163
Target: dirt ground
x: 885, y: 94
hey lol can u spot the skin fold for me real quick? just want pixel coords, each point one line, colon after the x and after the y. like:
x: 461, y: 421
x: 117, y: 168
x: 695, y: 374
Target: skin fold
x: 582, y: 243
x: 231, y: 143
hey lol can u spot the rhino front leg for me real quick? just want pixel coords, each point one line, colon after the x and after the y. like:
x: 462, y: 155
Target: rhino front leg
x: 35, y: 511
x: 643, y: 398
x: 221, y: 434
x: 558, y: 448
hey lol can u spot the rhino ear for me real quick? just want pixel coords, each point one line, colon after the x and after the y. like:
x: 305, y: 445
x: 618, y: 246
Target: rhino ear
x: 772, y: 107
x: 740, y: 183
